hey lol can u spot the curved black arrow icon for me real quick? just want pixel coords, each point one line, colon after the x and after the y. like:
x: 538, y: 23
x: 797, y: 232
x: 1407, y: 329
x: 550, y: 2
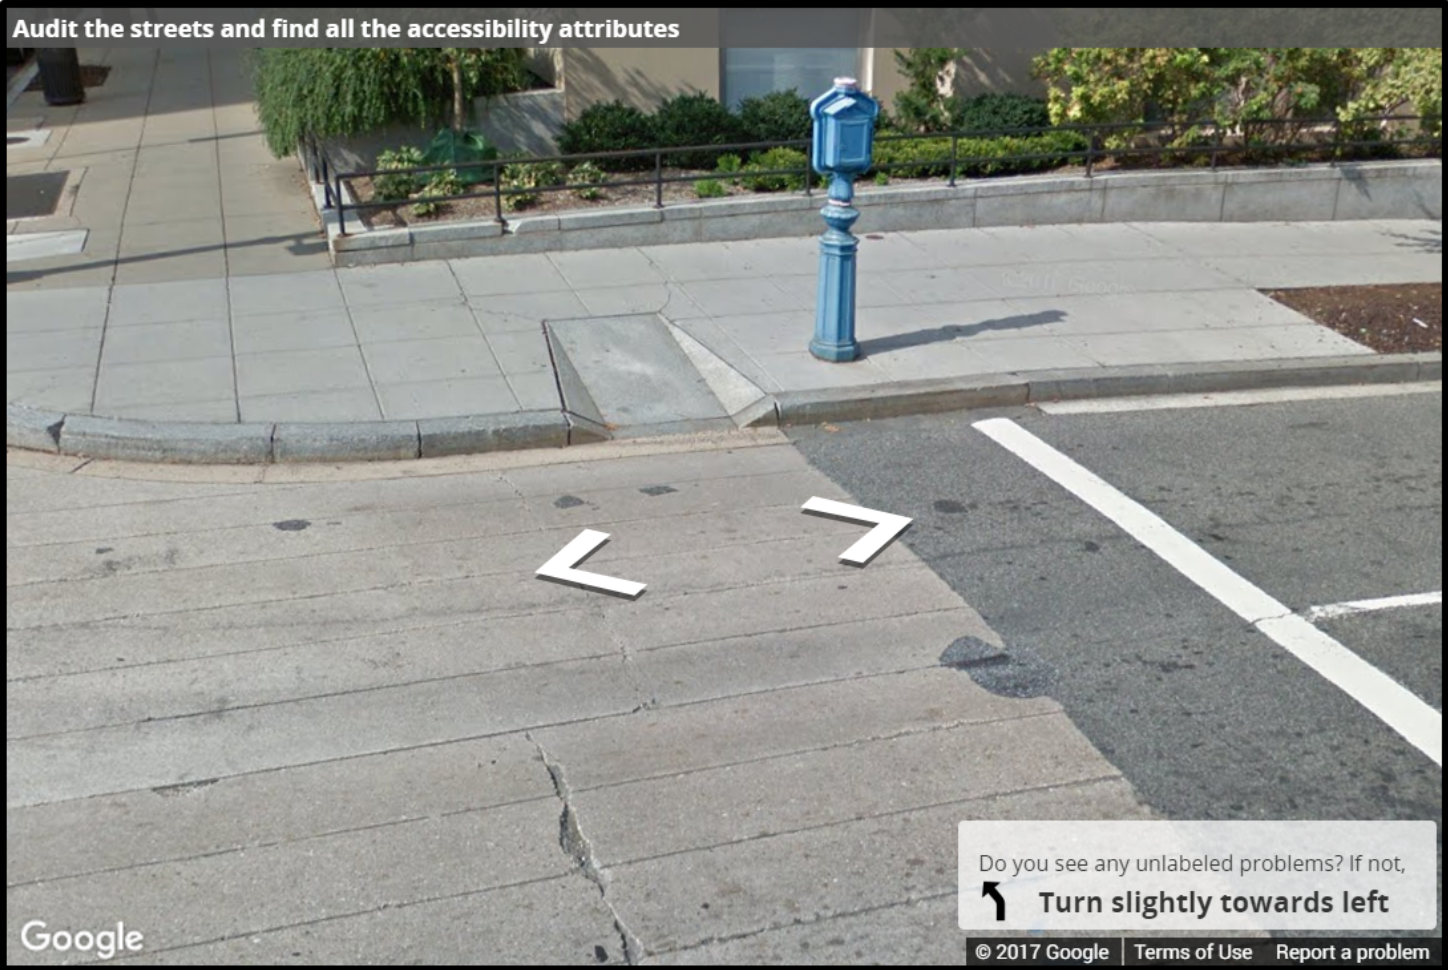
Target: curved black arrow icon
x: 1000, y: 901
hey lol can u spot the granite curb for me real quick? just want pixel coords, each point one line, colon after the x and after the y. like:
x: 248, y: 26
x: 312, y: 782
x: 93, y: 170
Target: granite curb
x: 92, y: 436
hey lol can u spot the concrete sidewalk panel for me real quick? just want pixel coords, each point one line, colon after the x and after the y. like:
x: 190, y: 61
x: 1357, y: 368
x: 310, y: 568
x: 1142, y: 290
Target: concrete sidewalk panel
x: 734, y: 892
x: 236, y: 894
x: 288, y: 805
x: 48, y: 310
x: 142, y: 691
x: 580, y: 929
x: 839, y: 783
x: 238, y: 741
x: 785, y: 721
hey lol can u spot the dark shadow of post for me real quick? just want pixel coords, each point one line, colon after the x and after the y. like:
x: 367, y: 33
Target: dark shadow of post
x: 957, y: 331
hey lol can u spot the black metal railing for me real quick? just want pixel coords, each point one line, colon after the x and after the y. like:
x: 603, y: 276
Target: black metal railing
x: 1330, y: 140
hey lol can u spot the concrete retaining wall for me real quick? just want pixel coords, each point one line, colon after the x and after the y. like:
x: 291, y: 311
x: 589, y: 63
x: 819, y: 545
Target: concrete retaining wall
x: 528, y: 121
x: 1365, y: 190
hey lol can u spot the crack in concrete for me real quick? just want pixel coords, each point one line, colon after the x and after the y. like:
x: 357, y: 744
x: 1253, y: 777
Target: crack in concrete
x: 577, y: 847
x: 807, y: 922
x: 649, y: 700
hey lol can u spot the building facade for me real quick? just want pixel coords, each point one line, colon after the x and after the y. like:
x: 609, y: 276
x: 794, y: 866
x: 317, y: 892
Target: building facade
x: 645, y: 76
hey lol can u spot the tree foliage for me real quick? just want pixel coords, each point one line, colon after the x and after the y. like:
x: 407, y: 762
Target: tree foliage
x: 343, y: 92
x: 925, y: 104
x: 1257, y: 91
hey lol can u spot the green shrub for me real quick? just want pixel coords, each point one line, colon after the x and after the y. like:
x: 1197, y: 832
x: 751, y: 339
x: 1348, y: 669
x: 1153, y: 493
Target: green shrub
x: 782, y: 116
x: 882, y: 178
x: 976, y: 157
x: 611, y: 127
x: 710, y: 189
x: 1051, y: 146
x: 730, y: 166
x: 776, y: 160
x: 442, y: 184
x: 913, y: 158
x: 993, y: 113
x: 527, y: 177
x: 399, y: 185
x: 585, y: 177
x: 687, y: 120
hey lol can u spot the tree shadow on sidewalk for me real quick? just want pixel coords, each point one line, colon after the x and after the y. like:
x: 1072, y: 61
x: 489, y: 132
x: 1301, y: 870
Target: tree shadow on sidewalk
x: 1429, y: 241
x: 297, y: 244
x: 956, y: 331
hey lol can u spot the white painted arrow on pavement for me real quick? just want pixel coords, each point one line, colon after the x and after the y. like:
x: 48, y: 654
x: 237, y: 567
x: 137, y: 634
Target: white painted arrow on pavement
x: 560, y: 567
x: 886, y: 528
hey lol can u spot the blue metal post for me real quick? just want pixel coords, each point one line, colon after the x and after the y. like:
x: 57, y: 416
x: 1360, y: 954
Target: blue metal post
x: 834, y: 338
x: 844, y: 129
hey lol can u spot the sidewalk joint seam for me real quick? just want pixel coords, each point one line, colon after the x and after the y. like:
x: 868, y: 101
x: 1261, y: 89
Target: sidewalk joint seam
x: 302, y: 557
x: 816, y: 920
x: 893, y: 813
x: 877, y: 568
x: 488, y: 617
x: 294, y: 486
x: 265, y: 844
x: 226, y: 252
x: 380, y: 907
x: 908, y: 732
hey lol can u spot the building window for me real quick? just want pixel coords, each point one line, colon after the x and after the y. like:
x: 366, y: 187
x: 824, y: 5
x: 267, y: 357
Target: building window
x: 749, y: 72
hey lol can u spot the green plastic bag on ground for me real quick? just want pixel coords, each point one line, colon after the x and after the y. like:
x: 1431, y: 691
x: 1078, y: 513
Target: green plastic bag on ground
x: 460, y: 147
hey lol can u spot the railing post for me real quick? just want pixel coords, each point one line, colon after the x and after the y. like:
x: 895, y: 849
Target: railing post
x: 1091, y: 153
x: 658, y: 179
x: 341, y: 209
x: 498, y: 195
x: 954, y: 156
x: 1216, y: 144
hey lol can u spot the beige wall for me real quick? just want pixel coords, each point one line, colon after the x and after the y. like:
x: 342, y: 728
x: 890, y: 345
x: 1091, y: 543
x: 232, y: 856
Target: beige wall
x: 994, y: 70
x: 646, y: 76
x: 641, y: 76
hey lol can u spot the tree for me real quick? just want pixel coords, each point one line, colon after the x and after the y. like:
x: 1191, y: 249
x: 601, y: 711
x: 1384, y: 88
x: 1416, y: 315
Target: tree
x: 343, y: 92
x: 924, y: 106
x: 1256, y: 92
x: 1395, y: 79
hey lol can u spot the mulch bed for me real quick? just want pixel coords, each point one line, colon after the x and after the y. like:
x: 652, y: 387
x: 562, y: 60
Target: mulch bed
x: 91, y: 76
x: 1403, y: 318
x: 548, y: 202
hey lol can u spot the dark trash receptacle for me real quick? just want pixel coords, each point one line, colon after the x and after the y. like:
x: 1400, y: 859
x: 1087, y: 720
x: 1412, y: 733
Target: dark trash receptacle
x: 60, y: 75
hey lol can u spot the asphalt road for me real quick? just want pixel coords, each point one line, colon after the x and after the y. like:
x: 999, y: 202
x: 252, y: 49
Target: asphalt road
x: 1316, y: 502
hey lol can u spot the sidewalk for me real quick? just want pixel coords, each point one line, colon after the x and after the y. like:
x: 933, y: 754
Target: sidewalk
x: 204, y: 294
x: 171, y: 177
